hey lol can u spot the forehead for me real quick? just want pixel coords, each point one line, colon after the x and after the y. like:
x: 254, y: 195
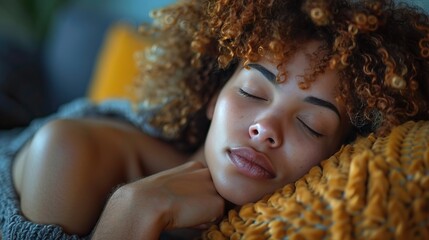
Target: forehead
x: 306, y: 58
x: 309, y: 55
x: 308, y: 63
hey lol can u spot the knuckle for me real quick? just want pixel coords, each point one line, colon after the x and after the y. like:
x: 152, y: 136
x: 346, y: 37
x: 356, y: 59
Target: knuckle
x: 125, y: 192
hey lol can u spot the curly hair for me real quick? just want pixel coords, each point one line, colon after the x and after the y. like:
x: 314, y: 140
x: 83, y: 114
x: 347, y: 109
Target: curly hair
x: 380, y: 49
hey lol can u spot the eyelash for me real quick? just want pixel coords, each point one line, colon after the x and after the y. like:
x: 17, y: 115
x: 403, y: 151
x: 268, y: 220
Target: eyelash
x: 246, y: 94
x: 310, y: 130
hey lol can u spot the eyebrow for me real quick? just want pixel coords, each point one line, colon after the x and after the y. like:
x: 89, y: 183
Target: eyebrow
x: 310, y: 99
x: 267, y: 74
x: 322, y: 103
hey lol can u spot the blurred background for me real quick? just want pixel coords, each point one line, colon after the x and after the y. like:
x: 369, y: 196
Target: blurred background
x: 54, y: 51
x: 49, y: 50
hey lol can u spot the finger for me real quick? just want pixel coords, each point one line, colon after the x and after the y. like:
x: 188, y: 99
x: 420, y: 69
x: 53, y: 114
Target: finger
x: 208, y: 224
x: 197, y: 180
x: 203, y: 226
x: 192, y: 185
x: 207, y: 210
x: 186, y: 167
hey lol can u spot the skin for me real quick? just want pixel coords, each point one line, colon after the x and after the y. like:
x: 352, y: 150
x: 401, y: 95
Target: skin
x: 65, y: 174
x: 278, y: 120
x: 68, y: 170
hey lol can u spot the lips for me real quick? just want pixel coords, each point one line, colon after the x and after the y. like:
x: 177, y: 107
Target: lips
x: 251, y: 163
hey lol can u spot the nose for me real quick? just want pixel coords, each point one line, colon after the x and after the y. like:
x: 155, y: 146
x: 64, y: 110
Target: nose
x: 265, y: 133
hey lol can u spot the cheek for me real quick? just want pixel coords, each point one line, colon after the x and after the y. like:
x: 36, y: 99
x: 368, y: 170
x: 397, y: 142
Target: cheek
x: 230, y: 112
x: 300, y: 158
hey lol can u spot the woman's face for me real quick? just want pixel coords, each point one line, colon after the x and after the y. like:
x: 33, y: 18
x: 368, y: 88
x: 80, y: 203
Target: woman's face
x: 266, y: 134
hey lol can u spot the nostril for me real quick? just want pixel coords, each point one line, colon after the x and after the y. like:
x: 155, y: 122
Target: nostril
x: 255, y: 131
x: 271, y: 140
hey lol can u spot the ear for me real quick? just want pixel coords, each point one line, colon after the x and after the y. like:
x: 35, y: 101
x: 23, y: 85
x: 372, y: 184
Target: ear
x: 211, y: 106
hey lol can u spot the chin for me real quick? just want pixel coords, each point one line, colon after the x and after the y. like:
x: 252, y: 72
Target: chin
x: 237, y: 200
x: 238, y: 196
x: 236, y: 188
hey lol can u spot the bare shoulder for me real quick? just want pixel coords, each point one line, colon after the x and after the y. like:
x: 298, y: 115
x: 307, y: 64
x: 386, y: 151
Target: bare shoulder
x: 99, y: 143
x: 68, y: 169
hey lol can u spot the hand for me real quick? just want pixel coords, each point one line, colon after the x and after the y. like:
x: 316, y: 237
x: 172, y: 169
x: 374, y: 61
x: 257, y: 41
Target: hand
x: 177, y: 198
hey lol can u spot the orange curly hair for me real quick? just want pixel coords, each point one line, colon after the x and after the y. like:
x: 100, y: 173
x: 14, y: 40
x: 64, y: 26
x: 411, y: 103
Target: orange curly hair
x: 380, y: 49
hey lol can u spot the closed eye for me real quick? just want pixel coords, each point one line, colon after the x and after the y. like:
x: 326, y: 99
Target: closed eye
x: 310, y: 130
x: 246, y: 94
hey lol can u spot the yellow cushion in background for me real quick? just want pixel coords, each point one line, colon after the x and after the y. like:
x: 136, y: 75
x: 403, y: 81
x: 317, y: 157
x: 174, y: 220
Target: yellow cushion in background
x: 116, y: 68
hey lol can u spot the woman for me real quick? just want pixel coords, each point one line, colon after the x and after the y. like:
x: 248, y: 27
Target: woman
x: 284, y: 84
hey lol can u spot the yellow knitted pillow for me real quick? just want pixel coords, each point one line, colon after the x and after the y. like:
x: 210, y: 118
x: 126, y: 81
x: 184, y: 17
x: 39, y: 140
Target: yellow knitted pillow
x: 375, y: 188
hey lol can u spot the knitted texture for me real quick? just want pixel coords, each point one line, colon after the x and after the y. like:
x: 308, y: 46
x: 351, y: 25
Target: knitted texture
x: 374, y: 188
